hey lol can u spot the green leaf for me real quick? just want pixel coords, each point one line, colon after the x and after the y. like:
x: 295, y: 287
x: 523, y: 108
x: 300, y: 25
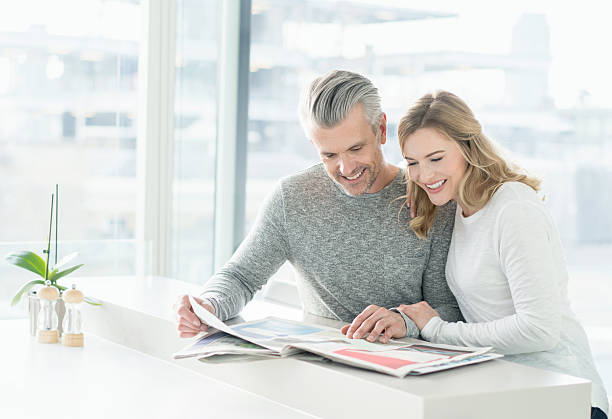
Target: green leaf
x: 64, y: 261
x: 54, y: 276
x: 28, y: 260
x: 25, y: 289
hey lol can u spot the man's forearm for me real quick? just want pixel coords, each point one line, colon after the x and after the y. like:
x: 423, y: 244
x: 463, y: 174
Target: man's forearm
x: 228, y: 293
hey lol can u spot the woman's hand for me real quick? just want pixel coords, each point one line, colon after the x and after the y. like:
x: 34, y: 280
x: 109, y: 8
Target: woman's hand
x: 375, y: 320
x: 420, y: 313
x: 410, y: 199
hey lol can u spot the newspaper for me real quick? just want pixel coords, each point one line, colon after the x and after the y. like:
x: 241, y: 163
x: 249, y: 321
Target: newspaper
x: 221, y: 343
x: 455, y: 364
x: 274, y: 337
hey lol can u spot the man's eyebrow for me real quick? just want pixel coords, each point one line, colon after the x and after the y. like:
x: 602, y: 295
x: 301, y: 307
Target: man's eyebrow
x: 360, y: 143
x: 429, y: 155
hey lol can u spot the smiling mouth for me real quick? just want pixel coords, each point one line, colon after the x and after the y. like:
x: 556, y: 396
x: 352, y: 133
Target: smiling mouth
x: 355, y: 177
x: 435, y: 186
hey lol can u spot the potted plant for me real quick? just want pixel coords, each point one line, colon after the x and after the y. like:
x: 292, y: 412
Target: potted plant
x: 36, y: 264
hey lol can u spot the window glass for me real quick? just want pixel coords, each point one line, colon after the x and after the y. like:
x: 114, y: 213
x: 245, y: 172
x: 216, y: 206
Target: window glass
x: 195, y: 130
x: 68, y: 115
x: 536, y: 77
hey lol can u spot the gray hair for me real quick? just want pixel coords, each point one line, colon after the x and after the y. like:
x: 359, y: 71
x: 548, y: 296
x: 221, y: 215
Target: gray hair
x: 329, y: 98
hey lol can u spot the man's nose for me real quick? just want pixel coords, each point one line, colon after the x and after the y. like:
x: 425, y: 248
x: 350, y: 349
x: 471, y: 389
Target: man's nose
x: 347, y: 166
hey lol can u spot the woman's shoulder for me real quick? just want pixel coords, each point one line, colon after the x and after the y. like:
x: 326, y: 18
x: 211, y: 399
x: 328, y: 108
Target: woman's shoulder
x: 515, y: 192
x: 518, y: 199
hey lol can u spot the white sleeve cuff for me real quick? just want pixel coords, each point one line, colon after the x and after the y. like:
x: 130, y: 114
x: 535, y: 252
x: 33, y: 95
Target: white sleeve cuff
x: 432, y: 329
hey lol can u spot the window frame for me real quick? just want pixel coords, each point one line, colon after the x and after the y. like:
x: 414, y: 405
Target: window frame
x: 156, y: 134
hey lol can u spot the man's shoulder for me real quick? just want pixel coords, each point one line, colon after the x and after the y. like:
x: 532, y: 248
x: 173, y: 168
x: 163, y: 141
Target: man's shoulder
x: 307, y: 179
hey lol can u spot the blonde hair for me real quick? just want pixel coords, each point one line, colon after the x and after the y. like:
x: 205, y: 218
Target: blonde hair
x: 486, y: 168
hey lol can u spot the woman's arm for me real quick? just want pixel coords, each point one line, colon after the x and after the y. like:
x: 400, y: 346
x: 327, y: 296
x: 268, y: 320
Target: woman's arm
x: 523, y: 236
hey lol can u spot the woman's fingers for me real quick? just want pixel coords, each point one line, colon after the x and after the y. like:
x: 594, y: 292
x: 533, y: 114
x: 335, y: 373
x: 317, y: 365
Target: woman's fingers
x: 420, y: 313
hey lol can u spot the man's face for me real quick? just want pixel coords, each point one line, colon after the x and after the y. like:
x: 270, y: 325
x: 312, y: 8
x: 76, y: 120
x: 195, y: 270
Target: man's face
x: 352, y: 153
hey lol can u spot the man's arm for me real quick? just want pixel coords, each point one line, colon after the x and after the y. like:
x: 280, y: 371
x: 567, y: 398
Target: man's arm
x: 434, y: 286
x: 259, y: 256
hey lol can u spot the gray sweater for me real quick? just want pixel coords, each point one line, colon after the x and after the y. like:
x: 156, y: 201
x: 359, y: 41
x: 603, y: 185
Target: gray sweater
x: 347, y: 251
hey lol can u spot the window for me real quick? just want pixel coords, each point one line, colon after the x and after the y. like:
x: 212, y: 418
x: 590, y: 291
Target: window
x: 523, y: 69
x: 68, y: 110
x: 69, y: 115
x: 195, y: 130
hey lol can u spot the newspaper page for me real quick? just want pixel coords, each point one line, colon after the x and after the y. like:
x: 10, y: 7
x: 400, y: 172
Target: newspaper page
x: 285, y: 337
x: 281, y: 335
x: 221, y: 343
x: 396, y: 361
x: 455, y: 364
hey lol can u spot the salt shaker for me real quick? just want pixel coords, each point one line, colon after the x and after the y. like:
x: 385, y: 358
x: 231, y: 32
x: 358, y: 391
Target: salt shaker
x: 47, y: 317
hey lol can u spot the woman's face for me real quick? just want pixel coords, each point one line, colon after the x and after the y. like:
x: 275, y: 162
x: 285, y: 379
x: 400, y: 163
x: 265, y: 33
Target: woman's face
x: 435, y: 164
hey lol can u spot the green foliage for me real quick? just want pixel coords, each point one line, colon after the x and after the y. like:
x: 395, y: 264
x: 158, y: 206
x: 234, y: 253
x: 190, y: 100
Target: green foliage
x: 28, y: 260
x: 34, y: 263
x: 24, y: 290
x: 54, y: 275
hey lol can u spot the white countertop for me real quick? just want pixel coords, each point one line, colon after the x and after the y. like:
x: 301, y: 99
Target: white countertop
x: 106, y: 380
x: 137, y: 313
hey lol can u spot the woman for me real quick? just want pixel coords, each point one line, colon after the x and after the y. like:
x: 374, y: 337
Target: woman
x: 505, y: 264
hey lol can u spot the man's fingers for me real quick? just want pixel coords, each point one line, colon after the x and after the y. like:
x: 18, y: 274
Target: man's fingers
x: 187, y: 326
x: 188, y: 315
x: 359, y: 320
x: 387, y: 335
x: 345, y: 329
x: 369, y: 323
x: 379, y: 326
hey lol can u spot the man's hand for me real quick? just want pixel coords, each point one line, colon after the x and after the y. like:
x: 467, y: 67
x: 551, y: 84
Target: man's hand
x: 188, y: 323
x: 376, y: 320
x: 420, y: 313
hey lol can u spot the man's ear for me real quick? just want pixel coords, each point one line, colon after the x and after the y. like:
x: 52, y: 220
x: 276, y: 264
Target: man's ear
x: 382, y: 128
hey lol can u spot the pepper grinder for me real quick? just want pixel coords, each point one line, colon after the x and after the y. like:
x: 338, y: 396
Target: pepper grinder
x: 47, y: 318
x: 72, y: 325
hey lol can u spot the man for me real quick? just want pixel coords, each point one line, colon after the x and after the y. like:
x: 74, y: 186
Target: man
x: 341, y: 225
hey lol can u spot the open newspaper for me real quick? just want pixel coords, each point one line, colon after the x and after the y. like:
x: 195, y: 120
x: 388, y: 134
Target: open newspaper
x: 274, y: 337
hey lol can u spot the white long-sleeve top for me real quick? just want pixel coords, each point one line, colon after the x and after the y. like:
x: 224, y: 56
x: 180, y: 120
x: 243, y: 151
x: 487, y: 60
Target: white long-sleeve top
x: 507, y: 270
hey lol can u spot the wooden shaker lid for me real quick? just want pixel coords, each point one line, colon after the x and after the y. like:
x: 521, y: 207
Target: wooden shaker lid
x: 48, y: 293
x: 73, y: 295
